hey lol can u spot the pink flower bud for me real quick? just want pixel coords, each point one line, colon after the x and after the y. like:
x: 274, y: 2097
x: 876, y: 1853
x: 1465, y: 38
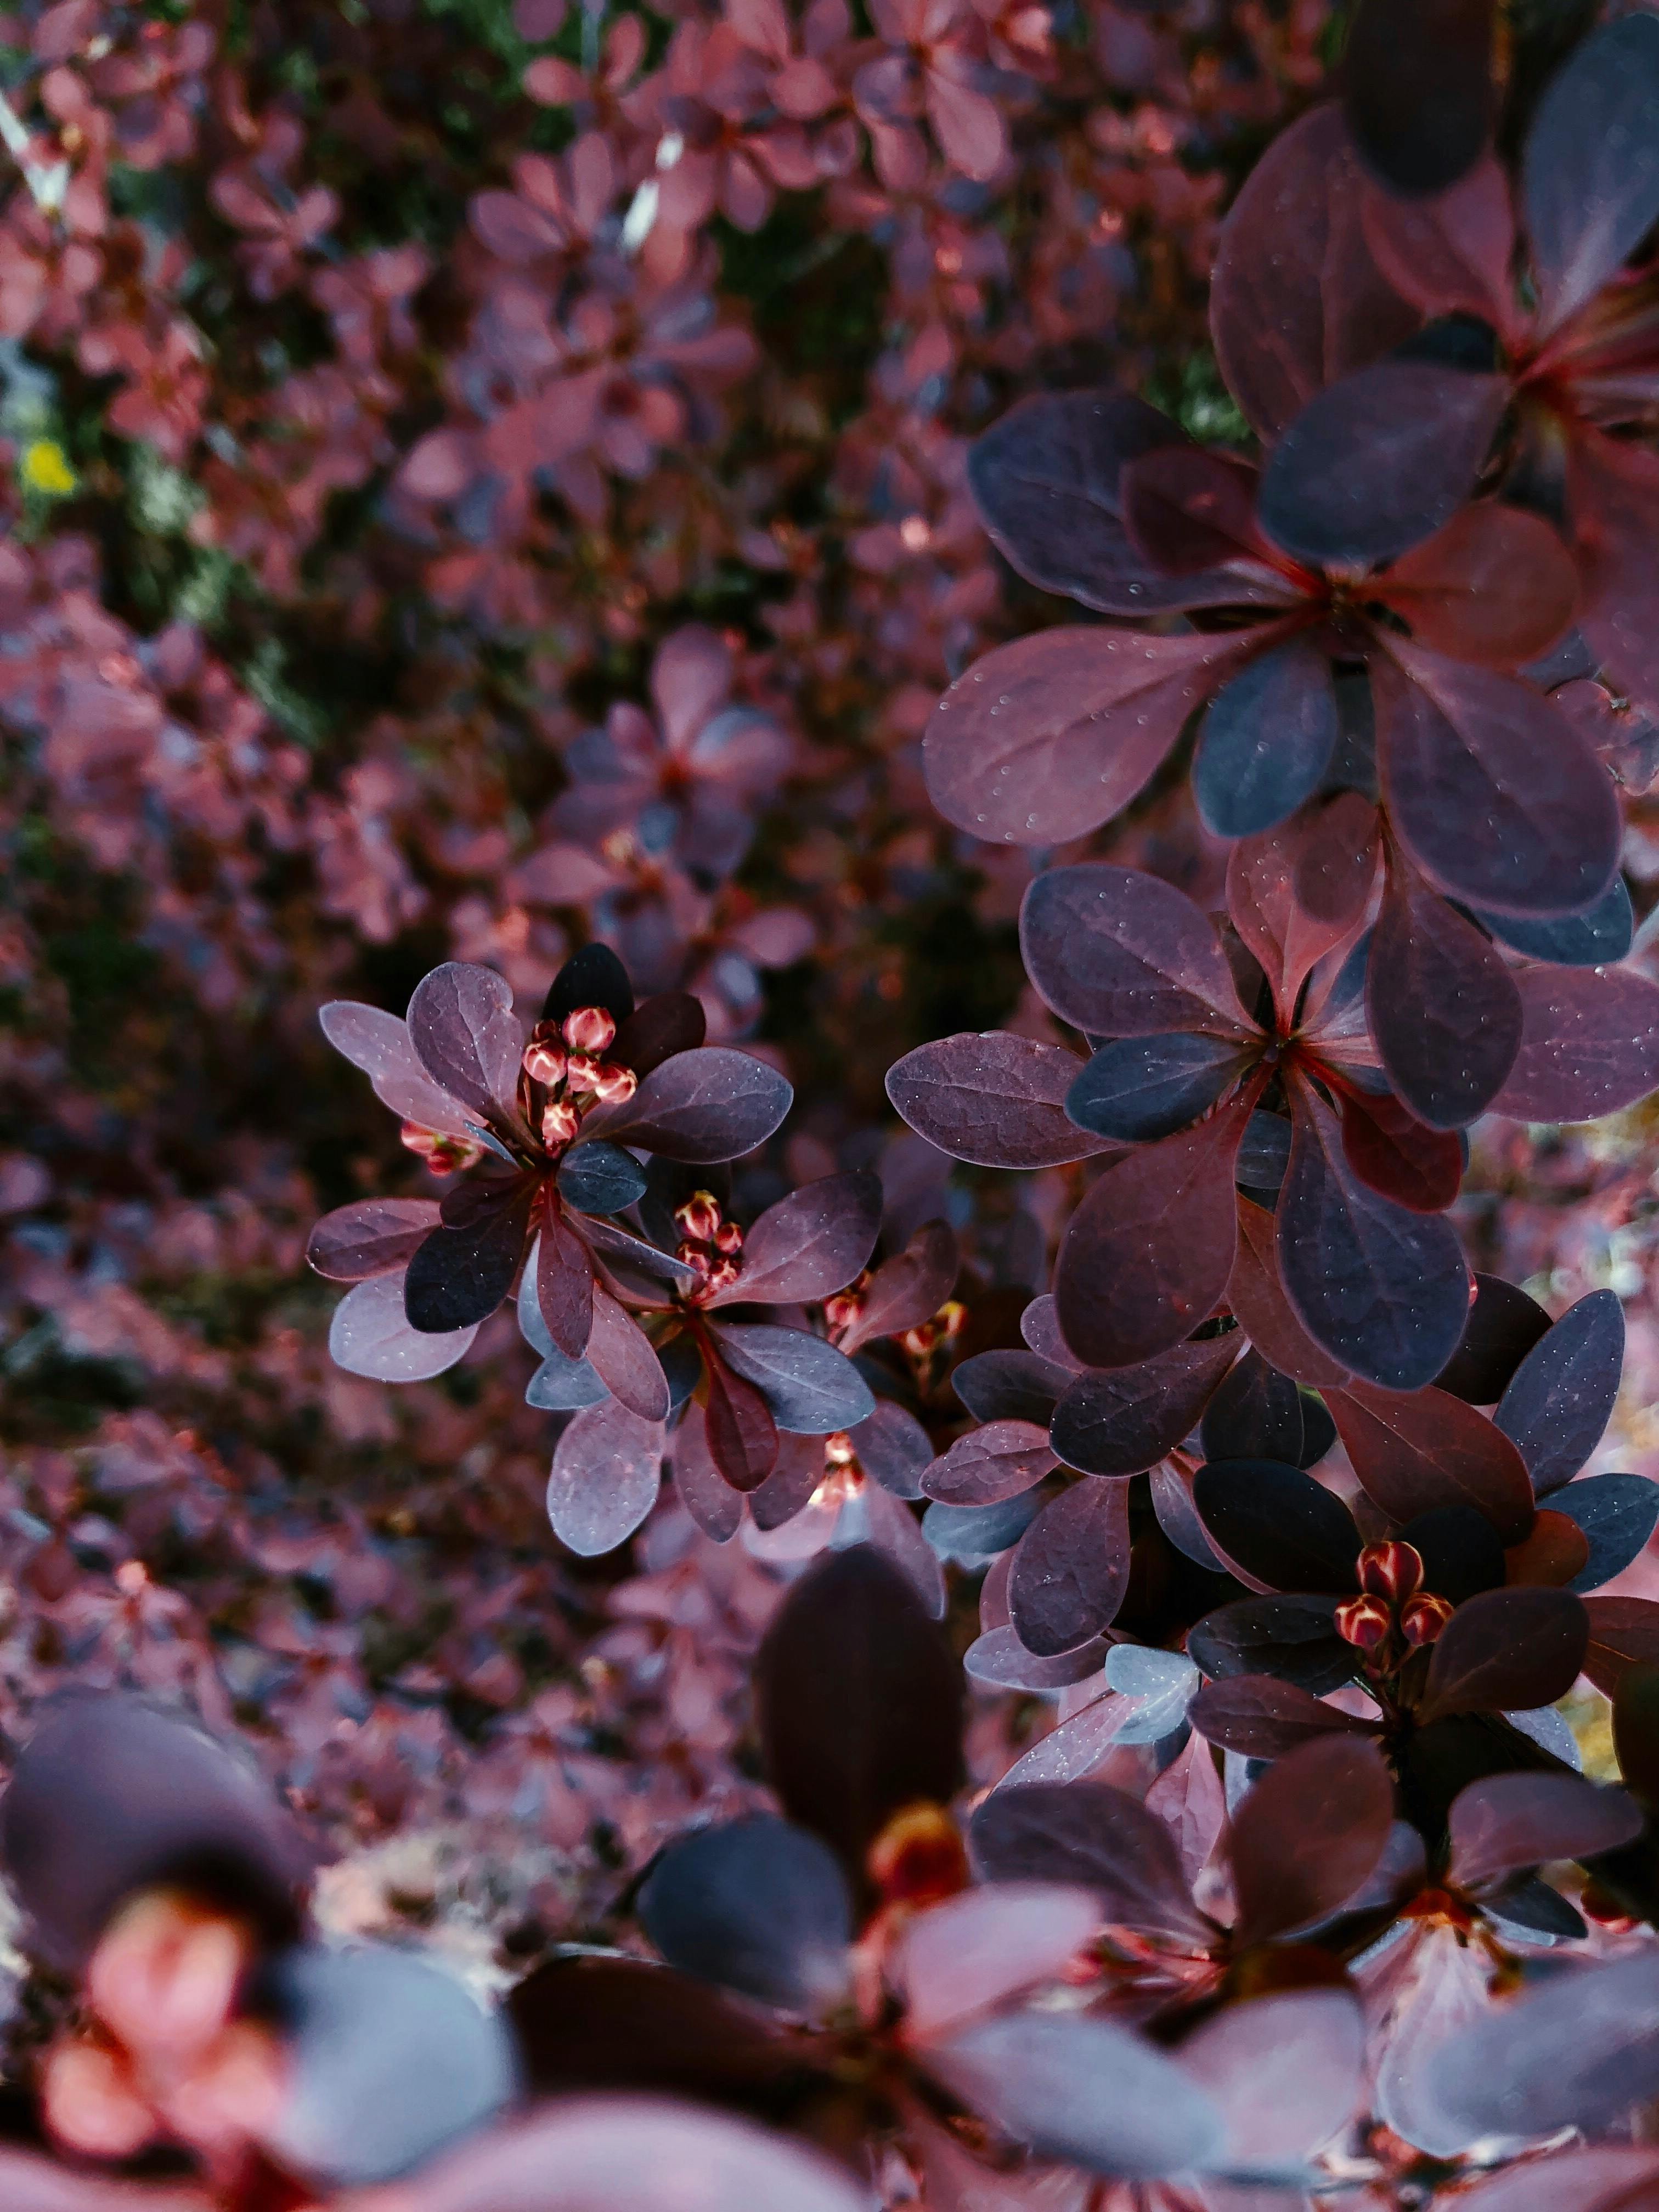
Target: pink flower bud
x: 582, y: 1072
x: 560, y: 1122
x: 614, y: 1083
x: 590, y: 1029
x: 545, y: 1063
x: 728, y: 1239
x: 1424, y: 1619
x: 700, y: 1216
x: 1391, y: 1571
x: 1364, y: 1621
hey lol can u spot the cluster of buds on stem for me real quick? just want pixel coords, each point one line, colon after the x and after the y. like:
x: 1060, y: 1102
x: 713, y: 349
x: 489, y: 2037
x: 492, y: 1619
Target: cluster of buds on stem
x: 711, y: 1245
x: 932, y: 1336
x: 443, y: 1155
x: 841, y: 1311
x: 565, y: 1060
x: 843, y: 1478
x: 1394, y: 1614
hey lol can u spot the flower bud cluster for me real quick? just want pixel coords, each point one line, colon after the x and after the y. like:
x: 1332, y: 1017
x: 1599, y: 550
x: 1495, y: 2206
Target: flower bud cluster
x: 565, y: 1060
x: 1393, y: 1613
x: 444, y: 1156
x: 711, y: 1245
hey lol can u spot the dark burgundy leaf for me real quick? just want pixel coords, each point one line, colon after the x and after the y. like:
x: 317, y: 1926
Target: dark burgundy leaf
x: 810, y: 1244
x: 1266, y: 741
x: 859, y: 1701
x: 600, y: 1178
x: 1635, y: 1729
x: 1589, y: 178
x: 1139, y: 1088
x: 1384, y: 1290
x: 1297, y: 300
x: 1399, y: 1157
x: 812, y: 1388
x: 1507, y: 1651
x: 1589, y: 1044
x: 1492, y: 790
x: 708, y: 1105
x: 1047, y: 738
x: 1119, y: 954
x: 1292, y: 1637
x: 564, y: 1285
x: 113, y: 1795
x: 1257, y: 1414
x: 788, y: 1489
x: 1561, y: 1396
x: 997, y: 1100
x: 1504, y: 1325
x: 1188, y: 510
x: 1618, y: 1514
x: 1072, y: 1569
x: 1010, y: 1386
x: 620, y: 1354
x: 460, y: 1275
x: 1276, y: 1527
x: 1420, y: 97
x: 1414, y: 1451
x: 1089, y: 1834
x: 1624, y: 1632
x: 998, y: 1461
x: 1443, y: 1006
x: 1450, y: 254
x: 743, y: 1436
x: 1082, y: 2090
x: 1460, y: 1550
x: 1261, y: 1717
x: 1506, y: 1823
x: 704, y: 1491
x: 1378, y: 462
x: 1613, y: 487
x: 1595, y: 939
x: 1309, y: 1835
x: 461, y: 1025
x: 1046, y: 481
x: 910, y: 1288
x: 592, y: 977
x: 1496, y: 586
x: 1257, y: 1296
x: 1579, y: 2051
x: 371, y: 1237
x: 1123, y: 1420
x: 1299, y: 891
x: 1556, y: 1552
x: 673, y: 1022
x: 1318, y: 1432
x: 622, y: 2023
x: 758, y: 1906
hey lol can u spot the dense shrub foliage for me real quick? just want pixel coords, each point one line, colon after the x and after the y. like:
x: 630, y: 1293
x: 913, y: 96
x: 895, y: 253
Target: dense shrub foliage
x: 826, y: 1044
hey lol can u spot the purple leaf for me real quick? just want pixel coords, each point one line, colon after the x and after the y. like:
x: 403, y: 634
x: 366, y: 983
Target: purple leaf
x: 1496, y: 586
x: 1613, y: 487
x: 1147, y: 1255
x: 707, y: 1496
x: 1309, y: 1835
x: 1124, y: 1419
x: 1046, y: 480
x: 606, y: 1470
x: 1618, y: 1514
x: 989, y: 1464
x: 371, y: 1237
x: 1285, y: 2070
x: 461, y: 1274
x: 380, y: 1044
x: 1119, y: 954
x: 758, y: 1906
x: 620, y: 1353
x: 999, y: 1661
x: 1266, y: 741
x: 1259, y: 1717
x: 1589, y: 1044
x: 673, y: 1022
x: 1561, y: 1396
x: 1089, y: 1833
x: 812, y: 1388
x: 1589, y: 176
x: 742, y: 1435
x: 1415, y: 1451
x: 1624, y: 1632
x: 1188, y: 510
x: 1491, y: 789
x: 1082, y: 2090
x: 1139, y: 1088
x: 1506, y: 1651
x: 997, y: 1100
x: 565, y: 1283
x: 1579, y: 2051
x: 1257, y: 1413
x: 1384, y: 1290
x: 1376, y: 463
x: 1072, y: 1568
x: 859, y: 1702
x: 1010, y: 1386
x: 371, y: 1335
x: 810, y: 1244
x: 910, y: 1288
x: 789, y: 1488
x: 1296, y: 300
x: 1257, y: 1296
x: 1276, y: 1527
x: 979, y: 1949
x: 1047, y: 738
x: 707, y: 1105
x: 1443, y: 1006
x: 1293, y: 1639
x: 1420, y: 95
x: 1505, y: 1824
x: 894, y: 1449
x: 462, y: 1028
x: 1504, y: 1325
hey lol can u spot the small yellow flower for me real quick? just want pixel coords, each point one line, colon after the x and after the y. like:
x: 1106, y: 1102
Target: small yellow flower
x: 44, y: 467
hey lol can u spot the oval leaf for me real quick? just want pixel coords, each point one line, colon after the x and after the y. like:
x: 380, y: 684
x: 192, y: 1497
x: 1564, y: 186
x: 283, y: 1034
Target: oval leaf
x: 996, y: 1100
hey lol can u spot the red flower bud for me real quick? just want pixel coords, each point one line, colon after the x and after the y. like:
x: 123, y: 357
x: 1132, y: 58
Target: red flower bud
x: 1364, y: 1621
x: 724, y: 1274
x: 700, y: 1216
x: 728, y: 1237
x: 694, y: 1256
x: 581, y: 1072
x: 560, y: 1122
x: 1424, y: 1619
x: 1391, y: 1571
x: 590, y: 1029
x: 842, y: 1310
x: 545, y: 1063
x: 615, y: 1083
